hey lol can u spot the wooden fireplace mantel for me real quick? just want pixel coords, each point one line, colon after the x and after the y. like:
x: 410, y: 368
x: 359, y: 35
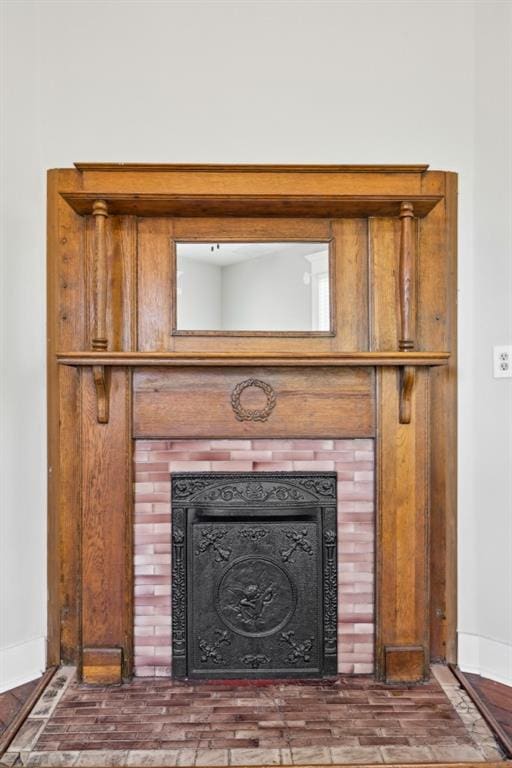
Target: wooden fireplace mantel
x: 385, y: 371
x: 194, y: 359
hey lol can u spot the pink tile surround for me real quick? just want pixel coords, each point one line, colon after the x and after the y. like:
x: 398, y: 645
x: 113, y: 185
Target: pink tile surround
x: 352, y: 459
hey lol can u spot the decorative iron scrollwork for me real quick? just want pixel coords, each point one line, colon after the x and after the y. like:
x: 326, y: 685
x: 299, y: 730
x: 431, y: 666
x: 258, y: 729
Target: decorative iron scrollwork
x: 330, y: 593
x: 299, y: 541
x: 246, y: 414
x: 268, y: 486
x: 253, y: 492
x: 255, y: 597
x: 184, y: 487
x: 255, y: 661
x: 254, y: 576
x: 179, y: 618
x: 210, y: 650
x: 210, y: 538
x: 254, y: 533
x: 320, y: 487
x: 300, y: 650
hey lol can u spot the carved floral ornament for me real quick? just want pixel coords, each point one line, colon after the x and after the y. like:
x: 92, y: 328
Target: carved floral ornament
x: 246, y: 414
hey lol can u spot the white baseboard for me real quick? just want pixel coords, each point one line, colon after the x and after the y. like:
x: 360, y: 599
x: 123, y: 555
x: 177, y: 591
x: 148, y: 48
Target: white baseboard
x: 486, y: 657
x: 22, y: 663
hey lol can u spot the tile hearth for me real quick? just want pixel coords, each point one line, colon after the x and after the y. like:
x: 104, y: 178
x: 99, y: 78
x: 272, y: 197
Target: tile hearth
x: 158, y: 722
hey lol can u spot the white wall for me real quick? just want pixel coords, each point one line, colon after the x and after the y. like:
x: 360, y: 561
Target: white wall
x: 485, y: 521
x: 333, y: 82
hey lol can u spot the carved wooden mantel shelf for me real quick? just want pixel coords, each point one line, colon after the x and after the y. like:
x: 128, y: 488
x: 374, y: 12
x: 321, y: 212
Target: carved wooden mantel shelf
x: 319, y: 206
x: 131, y: 359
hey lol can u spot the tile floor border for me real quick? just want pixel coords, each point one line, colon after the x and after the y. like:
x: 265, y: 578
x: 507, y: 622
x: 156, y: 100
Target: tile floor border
x: 360, y: 756
x: 475, y: 724
x: 38, y: 717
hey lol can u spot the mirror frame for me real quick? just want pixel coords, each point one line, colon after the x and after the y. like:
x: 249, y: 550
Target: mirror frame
x: 330, y: 242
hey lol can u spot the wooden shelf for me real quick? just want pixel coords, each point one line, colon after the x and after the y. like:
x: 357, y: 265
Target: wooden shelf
x: 202, y: 359
x: 313, y: 206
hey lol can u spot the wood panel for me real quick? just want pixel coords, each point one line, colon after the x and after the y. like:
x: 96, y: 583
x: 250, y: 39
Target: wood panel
x: 384, y: 250
x: 258, y: 180
x: 156, y: 290
x: 251, y: 229
x: 69, y: 503
x: 402, y: 529
x: 66, y: 310
x: 436, y: 327
x: 154, y: 284
x: 350, y: 242
x: 156, y: 296
x: 107, y: 520
x: 320, y: 402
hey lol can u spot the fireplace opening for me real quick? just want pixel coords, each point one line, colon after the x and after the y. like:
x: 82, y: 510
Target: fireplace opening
x: 254, y: 574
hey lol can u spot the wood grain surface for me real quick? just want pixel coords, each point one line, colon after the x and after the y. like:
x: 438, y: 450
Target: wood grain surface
x: 320, y: 402
x: 402, y: 530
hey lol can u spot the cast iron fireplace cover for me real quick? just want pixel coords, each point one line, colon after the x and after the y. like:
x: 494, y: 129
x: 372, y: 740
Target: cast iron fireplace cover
x: 254, y: 574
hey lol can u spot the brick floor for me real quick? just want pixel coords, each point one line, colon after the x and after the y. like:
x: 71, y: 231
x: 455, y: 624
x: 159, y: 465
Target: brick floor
x: 149, y: 714
x: 157, y: 722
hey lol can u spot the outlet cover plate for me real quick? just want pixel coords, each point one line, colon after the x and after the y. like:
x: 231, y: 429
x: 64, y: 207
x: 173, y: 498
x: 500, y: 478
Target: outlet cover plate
x: 502, y: 361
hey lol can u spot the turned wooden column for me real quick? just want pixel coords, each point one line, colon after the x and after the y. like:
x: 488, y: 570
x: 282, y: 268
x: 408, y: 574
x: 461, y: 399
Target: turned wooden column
x: 407, y: 279
x: 407, y: 289
x: 99, y: 340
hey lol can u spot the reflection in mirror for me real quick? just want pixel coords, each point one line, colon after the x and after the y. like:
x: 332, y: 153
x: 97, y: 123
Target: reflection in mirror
x: 265, y: 286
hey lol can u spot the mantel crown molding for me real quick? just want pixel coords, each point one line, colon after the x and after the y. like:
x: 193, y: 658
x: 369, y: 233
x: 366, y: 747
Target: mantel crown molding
x: 249, y: 168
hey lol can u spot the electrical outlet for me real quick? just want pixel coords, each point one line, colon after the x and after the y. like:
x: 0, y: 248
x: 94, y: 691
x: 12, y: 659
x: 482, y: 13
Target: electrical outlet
x: 502, y: 362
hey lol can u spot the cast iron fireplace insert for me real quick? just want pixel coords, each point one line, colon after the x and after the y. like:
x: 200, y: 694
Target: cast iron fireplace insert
x: 254, y: 575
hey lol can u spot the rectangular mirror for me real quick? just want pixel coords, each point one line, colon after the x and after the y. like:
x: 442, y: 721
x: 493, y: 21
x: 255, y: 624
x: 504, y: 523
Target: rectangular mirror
x: 253, y: 287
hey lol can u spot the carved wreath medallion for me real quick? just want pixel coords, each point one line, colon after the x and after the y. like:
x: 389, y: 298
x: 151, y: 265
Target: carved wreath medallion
x: 246, y: 414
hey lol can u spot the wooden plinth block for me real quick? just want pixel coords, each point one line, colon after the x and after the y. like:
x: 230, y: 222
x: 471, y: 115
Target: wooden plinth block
x: 102, y: 666
x: 404, y: 663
